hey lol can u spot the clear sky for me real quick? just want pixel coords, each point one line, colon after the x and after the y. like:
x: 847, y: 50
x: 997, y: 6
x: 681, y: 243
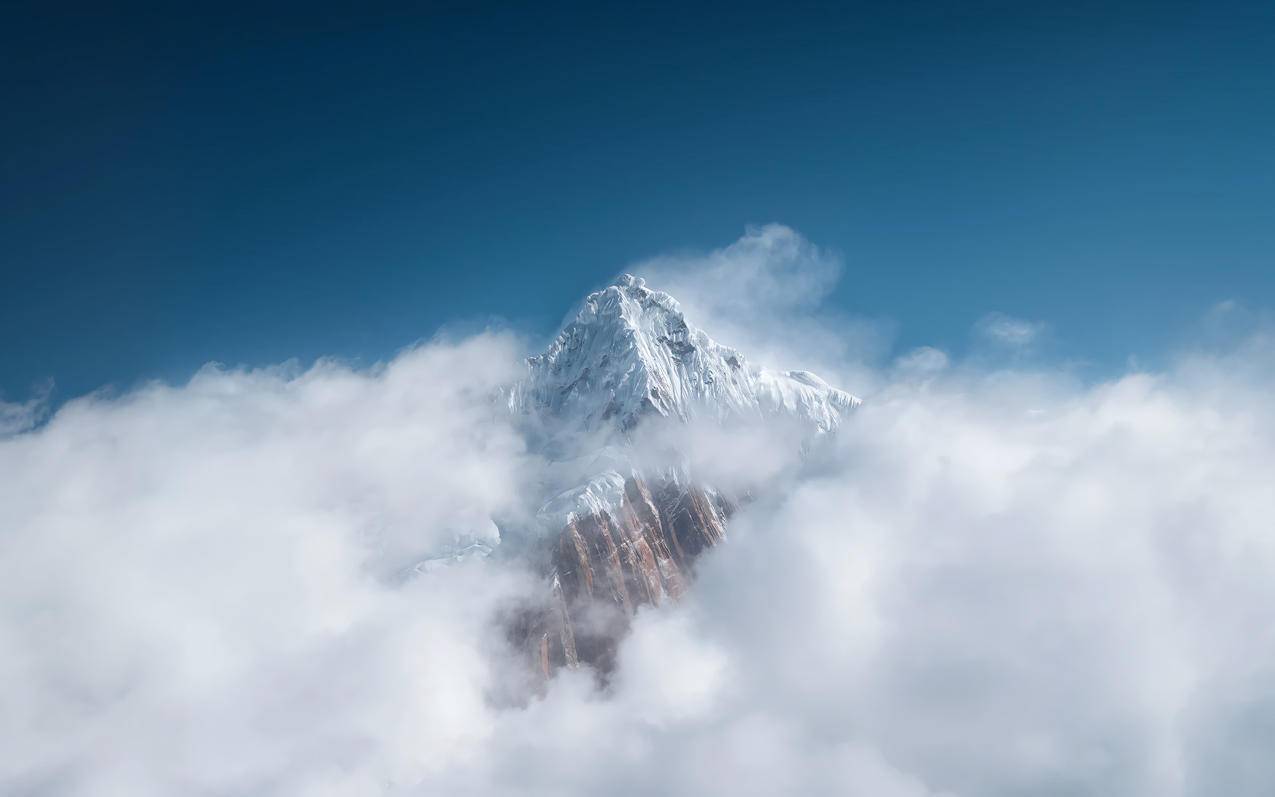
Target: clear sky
x: 248, y: 185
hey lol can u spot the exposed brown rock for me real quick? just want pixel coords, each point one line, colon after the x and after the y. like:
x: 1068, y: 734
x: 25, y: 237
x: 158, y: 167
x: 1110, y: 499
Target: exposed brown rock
x: 603, y: 566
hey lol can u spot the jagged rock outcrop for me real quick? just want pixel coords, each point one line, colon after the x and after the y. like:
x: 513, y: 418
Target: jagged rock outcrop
x: 605, y: 564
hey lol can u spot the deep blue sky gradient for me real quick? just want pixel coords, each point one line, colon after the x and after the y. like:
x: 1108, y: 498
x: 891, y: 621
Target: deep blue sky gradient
x: 257, y: 183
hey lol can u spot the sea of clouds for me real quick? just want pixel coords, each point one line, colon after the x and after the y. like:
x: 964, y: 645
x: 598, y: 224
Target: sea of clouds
x: 999, y: 579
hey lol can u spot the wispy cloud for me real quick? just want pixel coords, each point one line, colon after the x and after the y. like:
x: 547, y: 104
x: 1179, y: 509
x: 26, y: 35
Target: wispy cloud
x: 1006, y: 330
x: 18, y: 417
x: 763, y: 294
x: 922, y: 360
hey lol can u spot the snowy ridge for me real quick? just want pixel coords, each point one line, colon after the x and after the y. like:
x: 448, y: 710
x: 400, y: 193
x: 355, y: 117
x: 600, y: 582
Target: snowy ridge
x: 597, y: 496
x: 630, y: 354
x: 476, y: 549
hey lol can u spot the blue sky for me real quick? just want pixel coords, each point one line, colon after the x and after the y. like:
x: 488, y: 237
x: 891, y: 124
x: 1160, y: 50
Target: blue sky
x: 248, y: 186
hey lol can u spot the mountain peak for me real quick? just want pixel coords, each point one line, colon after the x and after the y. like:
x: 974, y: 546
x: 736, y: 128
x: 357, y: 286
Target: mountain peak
x: 624, y: 529
x: 628, y: 301
x: 629, y: 353
x: 629, y: 281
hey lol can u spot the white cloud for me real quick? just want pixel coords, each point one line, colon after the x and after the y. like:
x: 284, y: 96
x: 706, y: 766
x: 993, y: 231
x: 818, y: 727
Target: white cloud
x: 771, y: 268
x: 1006, y: 330
x: 763, y: 294
x: 198, y: 587
x: 18, y: 417
x: 924, y: 360
x: 996, y: 588
x: 995, y: 583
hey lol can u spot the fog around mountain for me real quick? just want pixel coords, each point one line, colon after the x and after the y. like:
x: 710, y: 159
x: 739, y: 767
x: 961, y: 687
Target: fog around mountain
x: 991, y: 578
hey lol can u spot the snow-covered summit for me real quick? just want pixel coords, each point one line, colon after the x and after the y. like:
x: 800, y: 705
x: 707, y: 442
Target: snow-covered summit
x: 627, y: 506
x: 630, y: 354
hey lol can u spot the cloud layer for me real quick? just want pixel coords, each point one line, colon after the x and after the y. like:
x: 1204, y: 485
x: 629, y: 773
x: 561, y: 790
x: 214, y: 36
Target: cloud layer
x: 996, y: 582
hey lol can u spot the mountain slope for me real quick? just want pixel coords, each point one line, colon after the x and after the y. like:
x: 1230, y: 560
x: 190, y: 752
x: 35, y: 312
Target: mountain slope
x: 630, y: 354
x: 620, y: 535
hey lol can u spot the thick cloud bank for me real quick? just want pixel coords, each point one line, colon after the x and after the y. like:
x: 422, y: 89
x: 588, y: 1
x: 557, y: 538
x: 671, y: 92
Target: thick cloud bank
x: 994, y: 582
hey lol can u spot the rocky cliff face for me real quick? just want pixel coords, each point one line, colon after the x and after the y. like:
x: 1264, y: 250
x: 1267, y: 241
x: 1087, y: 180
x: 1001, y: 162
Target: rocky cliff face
x: 605, y: 564
x: 624, y: 538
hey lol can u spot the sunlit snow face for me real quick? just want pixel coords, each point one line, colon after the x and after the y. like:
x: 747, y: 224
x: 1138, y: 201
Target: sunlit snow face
x: 631, y: 358
x: 993, y: 581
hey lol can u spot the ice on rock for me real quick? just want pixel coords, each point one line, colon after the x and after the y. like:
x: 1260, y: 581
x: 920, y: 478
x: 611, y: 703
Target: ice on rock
x: 600, y: 494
